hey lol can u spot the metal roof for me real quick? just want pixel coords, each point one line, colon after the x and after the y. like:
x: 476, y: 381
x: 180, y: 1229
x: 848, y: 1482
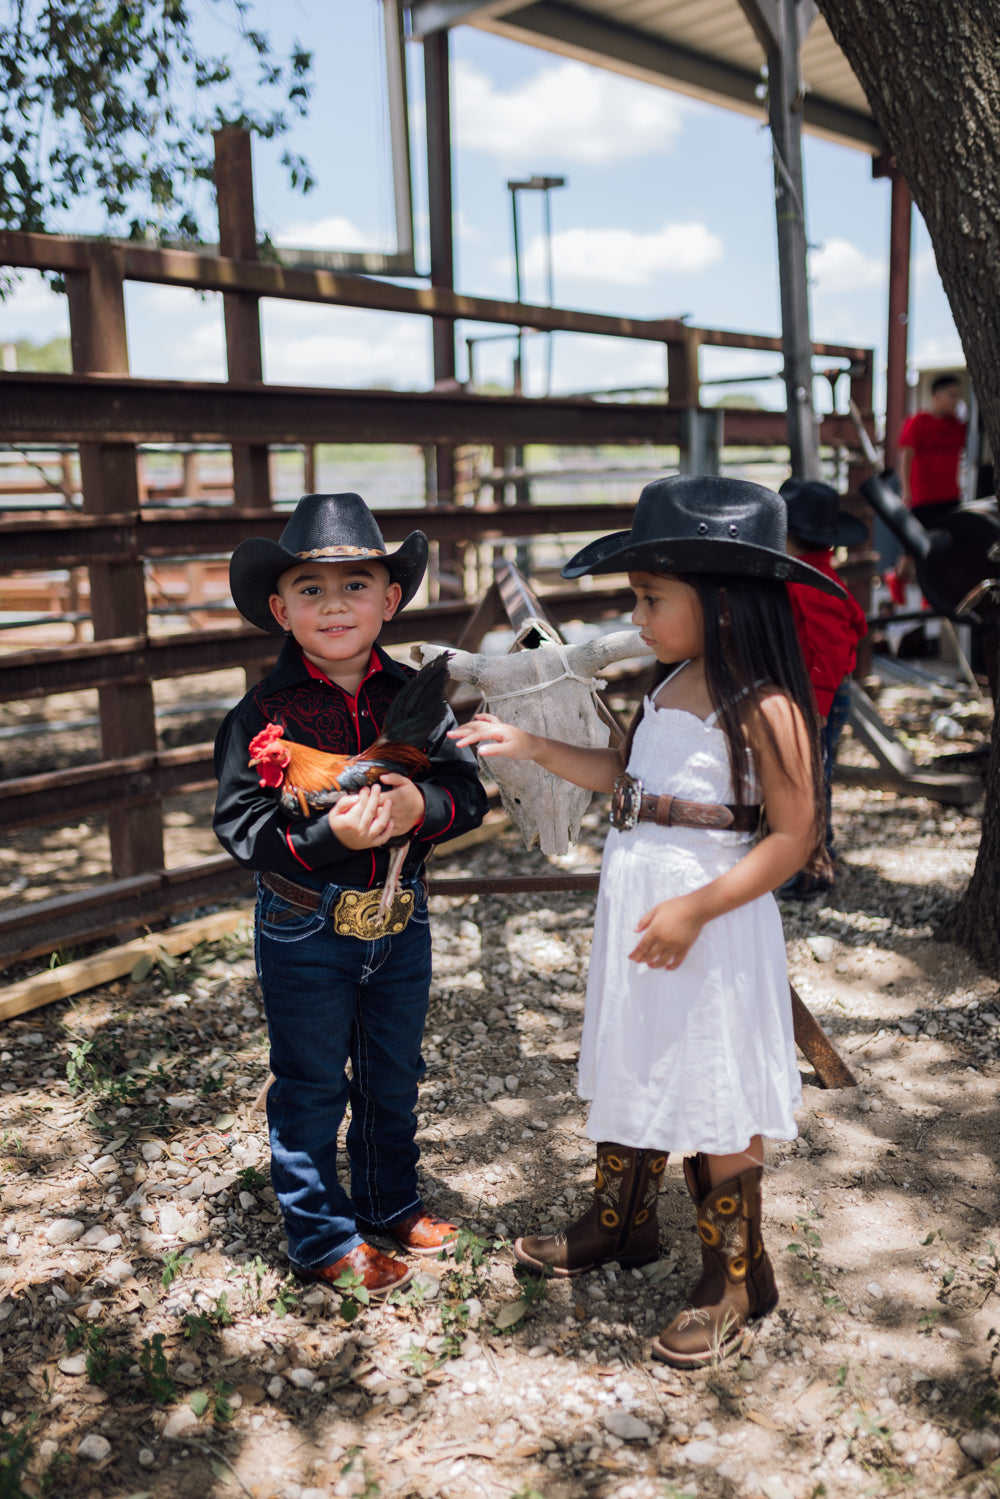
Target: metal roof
x: 705, y: 48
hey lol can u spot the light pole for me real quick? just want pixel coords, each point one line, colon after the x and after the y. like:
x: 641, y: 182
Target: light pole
x: 536, y: 185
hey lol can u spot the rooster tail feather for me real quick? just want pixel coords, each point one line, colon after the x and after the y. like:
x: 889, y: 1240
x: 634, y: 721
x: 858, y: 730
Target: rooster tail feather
x: 416, y: 711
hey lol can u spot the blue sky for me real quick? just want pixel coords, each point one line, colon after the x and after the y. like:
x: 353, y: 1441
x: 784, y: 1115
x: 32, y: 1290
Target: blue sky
x: 667, y: 210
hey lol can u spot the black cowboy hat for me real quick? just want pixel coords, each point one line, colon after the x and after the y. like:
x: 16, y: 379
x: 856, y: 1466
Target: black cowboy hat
x: 322, y: 528
x: 815, y: 516
x: 695, y: 524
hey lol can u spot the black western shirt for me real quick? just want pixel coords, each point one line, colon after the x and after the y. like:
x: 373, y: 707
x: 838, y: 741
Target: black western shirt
x: 312, y: 710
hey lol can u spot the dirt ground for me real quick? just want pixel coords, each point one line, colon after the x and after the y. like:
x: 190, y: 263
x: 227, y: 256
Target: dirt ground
x: 153, y: 1346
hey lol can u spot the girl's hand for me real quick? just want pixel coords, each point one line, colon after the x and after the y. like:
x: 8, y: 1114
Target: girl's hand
x: 405, y: 801
x: 362, y: 821
x: 495, y: 738
x: 669, y: 931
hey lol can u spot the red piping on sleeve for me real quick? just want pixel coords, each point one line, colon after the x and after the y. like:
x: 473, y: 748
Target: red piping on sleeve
x: 291, y: 850
x: 441, y: 831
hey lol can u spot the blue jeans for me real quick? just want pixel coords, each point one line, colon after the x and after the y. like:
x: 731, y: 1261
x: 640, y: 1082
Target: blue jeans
x: 329, y: 999
x: 829, y: 739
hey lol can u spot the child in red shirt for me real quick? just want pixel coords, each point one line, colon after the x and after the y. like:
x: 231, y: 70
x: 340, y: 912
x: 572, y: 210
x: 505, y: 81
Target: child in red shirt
x: 829, y: 628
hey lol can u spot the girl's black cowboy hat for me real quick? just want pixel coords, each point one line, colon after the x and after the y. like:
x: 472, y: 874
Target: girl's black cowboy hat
x: 322, y: 528
x: 692, y: 523
x: 815, y: 516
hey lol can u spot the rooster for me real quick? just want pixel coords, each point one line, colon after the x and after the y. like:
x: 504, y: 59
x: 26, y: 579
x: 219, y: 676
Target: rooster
x: 313, y: 780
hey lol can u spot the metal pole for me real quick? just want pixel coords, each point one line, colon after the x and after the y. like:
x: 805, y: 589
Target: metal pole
x: 785, y: 117
x: 550, y: 288
x: 900, y: 216
x: 517, y: 292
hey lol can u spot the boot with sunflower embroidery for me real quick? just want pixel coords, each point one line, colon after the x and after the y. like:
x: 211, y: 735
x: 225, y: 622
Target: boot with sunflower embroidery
x: 620, y: 1223
x: 737, y: 1279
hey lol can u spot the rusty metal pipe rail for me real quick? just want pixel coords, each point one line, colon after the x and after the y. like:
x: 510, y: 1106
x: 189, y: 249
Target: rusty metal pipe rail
x: 261, y: 279
x: 139, y: 658
x: 37, y: 539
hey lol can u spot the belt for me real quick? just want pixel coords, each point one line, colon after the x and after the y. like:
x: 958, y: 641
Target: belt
x: 355, y: 912
x: 631, y: 805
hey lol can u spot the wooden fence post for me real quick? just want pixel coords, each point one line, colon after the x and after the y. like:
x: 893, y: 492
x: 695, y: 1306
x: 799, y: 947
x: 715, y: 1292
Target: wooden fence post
x: 109, y: 481
x: 244, y: 357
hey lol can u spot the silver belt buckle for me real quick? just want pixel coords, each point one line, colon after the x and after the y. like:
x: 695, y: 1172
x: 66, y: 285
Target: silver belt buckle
x: 626, y: 799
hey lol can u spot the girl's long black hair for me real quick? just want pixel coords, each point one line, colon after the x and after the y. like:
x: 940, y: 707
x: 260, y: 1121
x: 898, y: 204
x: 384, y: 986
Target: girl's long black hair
x: 752, y: 649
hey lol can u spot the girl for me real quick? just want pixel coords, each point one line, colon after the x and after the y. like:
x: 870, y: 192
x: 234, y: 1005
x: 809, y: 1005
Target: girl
x: 687, y: 1043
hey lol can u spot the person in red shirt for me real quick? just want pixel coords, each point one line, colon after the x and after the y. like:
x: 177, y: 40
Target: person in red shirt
x: 931, y: 444
x: 829, y: 628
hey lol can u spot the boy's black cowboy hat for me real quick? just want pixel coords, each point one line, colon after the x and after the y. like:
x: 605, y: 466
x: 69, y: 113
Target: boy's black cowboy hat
x: 815, y: 516
x: 692, y: 523
x: 322, y: 528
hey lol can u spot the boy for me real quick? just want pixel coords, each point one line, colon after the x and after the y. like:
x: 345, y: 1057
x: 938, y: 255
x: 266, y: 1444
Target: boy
x: 333, y: 991
x: 829, y: 629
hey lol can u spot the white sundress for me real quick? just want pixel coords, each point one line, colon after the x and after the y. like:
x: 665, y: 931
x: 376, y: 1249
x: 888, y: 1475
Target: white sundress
x: 701, y: 1057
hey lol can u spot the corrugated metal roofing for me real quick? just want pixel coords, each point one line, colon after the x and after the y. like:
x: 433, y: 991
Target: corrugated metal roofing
x: 706, y: 48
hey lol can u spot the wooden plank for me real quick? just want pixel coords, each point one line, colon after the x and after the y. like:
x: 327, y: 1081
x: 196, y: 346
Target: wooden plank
x: 951, y: 789
x: 817, y: 1047
x: 102, y: 968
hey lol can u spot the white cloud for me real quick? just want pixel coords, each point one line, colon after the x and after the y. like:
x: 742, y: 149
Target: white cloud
x: 307, y: 345
x: 839, y: 266
x: 626, y: 257
x: 332, y: 233
x: 568, y: 112
x: 33, y: 311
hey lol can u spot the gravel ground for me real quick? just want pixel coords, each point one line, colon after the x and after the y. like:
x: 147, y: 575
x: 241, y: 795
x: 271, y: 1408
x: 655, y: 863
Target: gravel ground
x: 152, y: 1345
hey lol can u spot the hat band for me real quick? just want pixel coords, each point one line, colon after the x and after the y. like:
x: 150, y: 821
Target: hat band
x: 342, y: 551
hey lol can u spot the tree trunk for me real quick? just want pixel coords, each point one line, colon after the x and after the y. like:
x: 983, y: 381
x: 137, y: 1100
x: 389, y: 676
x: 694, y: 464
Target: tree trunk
x: 931, y: 71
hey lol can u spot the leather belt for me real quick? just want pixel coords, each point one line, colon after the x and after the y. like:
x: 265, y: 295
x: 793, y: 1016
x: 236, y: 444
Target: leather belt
x: 296, y: 895
x: 355, y: 912
x: 631, y: 805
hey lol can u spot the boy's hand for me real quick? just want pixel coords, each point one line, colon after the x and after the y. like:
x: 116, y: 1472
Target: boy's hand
x: 405, y: 801
x: 362, y: 821
x: 492, y: 737
x: 669, y: 931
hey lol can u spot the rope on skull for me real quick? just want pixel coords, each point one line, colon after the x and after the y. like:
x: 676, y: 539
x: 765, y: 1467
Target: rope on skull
x: 592, y: 684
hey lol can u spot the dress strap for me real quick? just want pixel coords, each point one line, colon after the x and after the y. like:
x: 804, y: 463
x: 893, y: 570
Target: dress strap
x: 669, y: 678
x: 710, y: 720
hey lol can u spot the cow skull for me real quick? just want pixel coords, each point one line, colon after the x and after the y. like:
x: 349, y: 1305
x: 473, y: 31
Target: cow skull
x: 549, y: 690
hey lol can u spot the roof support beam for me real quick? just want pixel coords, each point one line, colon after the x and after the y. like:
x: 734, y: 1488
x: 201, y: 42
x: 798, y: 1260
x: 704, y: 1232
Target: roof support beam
x: 784, y: 110
x: 603, y: 42
x: 437, y: 15
x: 765, y: 19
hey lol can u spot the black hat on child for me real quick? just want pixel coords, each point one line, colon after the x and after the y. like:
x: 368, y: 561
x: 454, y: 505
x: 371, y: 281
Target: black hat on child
x: 815, y: 516
x: 322, y: 528
x: 694, y: 523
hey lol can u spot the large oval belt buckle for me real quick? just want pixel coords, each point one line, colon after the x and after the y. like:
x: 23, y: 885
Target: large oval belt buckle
x: 626, y: 799
x: 356, y: 914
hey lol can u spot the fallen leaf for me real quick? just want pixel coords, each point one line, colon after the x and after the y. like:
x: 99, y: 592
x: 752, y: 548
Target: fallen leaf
x: 511, y: 1314
x: 252, y: 1394
x: 765, y: 1421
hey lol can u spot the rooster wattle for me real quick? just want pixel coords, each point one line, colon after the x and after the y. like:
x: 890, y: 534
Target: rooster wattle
x: 313, y: 780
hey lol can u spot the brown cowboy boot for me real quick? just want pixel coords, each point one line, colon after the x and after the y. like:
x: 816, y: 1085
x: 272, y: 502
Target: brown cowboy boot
x: 737, y: 1279
x: 620, y: 1223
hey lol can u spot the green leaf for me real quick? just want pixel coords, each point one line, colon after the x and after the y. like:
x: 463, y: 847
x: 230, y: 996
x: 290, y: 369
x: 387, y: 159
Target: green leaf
x: 142, y: 969
x: 199, y: 1402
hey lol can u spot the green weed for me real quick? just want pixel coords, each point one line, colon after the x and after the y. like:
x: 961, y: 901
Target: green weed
x: 199, y: 1324
x: 104, y: 1368
x: 250, y: 1179
x: 156, y: 1371
x: 16, y: 1452
x: 807, y: 1250
x: 175, y: 1262
x: 216, y: 1404
x: 357, y: 1463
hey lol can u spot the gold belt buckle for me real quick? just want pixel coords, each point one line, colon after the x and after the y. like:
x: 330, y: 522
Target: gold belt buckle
x: 356, y: 914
